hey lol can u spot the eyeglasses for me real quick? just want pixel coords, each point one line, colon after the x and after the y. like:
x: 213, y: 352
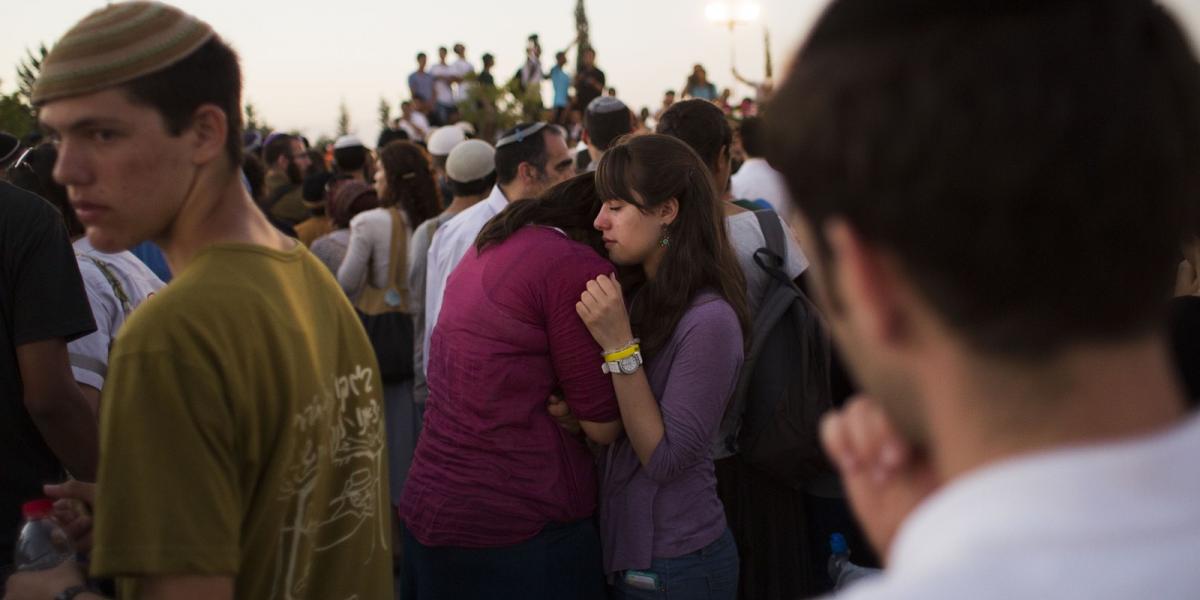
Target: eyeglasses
x: 521, y: 135
x: 20, y: 162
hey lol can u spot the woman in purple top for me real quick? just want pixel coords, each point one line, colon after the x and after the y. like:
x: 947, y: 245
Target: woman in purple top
x: 500, y: 499
x: 662, y: 525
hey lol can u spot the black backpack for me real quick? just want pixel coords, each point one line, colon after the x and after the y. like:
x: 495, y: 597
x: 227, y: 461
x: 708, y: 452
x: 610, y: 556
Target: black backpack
x: 784, y: 386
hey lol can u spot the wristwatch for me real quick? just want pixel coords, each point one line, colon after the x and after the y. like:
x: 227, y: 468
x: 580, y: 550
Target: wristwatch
x: 625, y: 366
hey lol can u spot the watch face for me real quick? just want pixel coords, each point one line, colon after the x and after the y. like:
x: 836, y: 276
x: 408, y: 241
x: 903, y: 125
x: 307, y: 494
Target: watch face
x: 629, y: 364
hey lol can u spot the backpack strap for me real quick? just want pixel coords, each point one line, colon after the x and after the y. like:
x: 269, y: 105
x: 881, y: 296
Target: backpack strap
x: 772, y: 230
x: 772, y: 257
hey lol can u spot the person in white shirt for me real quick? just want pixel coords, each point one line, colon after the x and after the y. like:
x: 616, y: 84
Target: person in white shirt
x: 413, y: 121
x: 116, y: 284
x: 992, y: 194
x: 444, y: 78
x: 756, y: 180
x: 462, y: 69
x: 530, y: 158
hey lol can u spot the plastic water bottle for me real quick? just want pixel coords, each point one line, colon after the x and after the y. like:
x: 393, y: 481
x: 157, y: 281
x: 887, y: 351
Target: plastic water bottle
x: 841, y: 570
x: 43, y: 544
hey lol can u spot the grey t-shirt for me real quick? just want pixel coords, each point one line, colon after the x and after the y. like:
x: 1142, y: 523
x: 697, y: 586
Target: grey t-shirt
x: 746, y: 237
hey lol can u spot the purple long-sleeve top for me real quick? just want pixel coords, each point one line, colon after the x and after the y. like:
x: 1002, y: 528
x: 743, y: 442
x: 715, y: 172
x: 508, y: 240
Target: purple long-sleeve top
x: 669, y: 507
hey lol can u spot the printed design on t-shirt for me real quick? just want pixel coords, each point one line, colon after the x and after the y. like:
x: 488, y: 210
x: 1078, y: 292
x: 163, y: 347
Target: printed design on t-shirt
x: 342, y: 440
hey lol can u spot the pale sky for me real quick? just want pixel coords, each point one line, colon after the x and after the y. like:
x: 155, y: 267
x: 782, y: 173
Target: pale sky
x: 301, y: 59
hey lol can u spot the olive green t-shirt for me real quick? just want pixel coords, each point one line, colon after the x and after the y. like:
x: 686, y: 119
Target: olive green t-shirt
x: 242, y: 434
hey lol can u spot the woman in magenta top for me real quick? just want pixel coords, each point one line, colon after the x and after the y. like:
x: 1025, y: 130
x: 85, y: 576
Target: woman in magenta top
x: 500, y: 498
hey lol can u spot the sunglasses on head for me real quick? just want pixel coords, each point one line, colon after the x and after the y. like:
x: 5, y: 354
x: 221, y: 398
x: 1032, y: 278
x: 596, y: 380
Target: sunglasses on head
x: 20, y: 162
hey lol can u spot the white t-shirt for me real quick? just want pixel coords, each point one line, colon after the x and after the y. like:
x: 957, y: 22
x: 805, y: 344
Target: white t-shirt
x: 1118, y: 520
x: 134, y: 280
x: 747, y: 237
x: 442, y: 92
x: 417, y: 129
x: 756, y: 180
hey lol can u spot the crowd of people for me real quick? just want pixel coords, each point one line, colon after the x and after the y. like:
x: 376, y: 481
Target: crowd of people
x: 590, y: 356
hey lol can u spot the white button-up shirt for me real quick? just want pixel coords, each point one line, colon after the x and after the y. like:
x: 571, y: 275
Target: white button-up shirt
x: 1107, y: 521
x: 450, y: 244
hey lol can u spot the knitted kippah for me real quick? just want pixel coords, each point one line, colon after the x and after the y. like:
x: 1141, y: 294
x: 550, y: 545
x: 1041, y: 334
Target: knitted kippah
x: 116, y: 44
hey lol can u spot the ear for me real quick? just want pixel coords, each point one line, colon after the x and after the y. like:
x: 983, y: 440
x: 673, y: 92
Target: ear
x: 209, y: 132
x: 668, y: 211
x: 527, y: 172
x: 865, y: 282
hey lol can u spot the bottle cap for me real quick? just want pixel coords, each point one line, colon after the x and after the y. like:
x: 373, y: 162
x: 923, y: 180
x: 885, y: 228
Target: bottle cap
x: 38, y: 509
x: 837, y: 544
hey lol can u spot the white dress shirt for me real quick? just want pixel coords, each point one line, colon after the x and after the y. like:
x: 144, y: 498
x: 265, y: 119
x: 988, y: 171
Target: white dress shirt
x: 450, y: 244
x: 1107, y: 521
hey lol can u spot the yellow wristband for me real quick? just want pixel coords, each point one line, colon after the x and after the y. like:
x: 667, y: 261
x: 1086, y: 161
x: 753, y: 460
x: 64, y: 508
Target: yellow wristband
x: 625, y: 352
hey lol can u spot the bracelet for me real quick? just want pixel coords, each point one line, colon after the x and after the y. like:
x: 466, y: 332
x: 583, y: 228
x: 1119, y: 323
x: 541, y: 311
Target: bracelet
x: 623, y: 352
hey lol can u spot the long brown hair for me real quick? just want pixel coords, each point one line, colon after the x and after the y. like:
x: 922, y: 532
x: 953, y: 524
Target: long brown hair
x: 410, y: 182
x: 570, y: 206
x: 646, y: 171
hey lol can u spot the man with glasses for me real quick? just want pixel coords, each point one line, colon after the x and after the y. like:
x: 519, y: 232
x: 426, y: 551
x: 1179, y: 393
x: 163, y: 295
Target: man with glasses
x: 286, y: 162
x: 45, y: 423
x: 530, y: 158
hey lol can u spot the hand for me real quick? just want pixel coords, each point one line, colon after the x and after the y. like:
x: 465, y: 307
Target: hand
x: 1186, y: 281
x: 602, y: 308
x: 883, y: 475
x: 39, y: 585
x: 73, y: 510
x: 562, y: 413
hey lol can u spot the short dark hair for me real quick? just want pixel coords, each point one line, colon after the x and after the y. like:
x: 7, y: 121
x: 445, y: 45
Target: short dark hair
x: 421, y: 55
x: 531, y: 150
x: 701, y: 125
x: 210, y: 75
x: 474, y: 187
x: 442, y: 49
x: 1027, y: 167
x: 350, y: 158
x: 751, y: 132
x: 604, y: 128
x: 256, y: 177
x: 280, y: 145
x: 487, y: 56
x: 390, y: 135
x: 570, y: 206
x: 36, y: 175
x: 560, y: 54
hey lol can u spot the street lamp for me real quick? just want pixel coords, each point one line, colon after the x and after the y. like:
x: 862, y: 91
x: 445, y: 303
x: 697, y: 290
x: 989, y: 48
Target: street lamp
x: 732, y: 14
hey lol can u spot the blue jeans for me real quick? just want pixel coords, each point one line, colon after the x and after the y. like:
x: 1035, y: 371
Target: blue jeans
x: 710, y: 573
x: 562, y: 562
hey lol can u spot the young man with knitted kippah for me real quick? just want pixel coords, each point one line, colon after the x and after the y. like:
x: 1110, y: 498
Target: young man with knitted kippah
x: 242, y: 450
